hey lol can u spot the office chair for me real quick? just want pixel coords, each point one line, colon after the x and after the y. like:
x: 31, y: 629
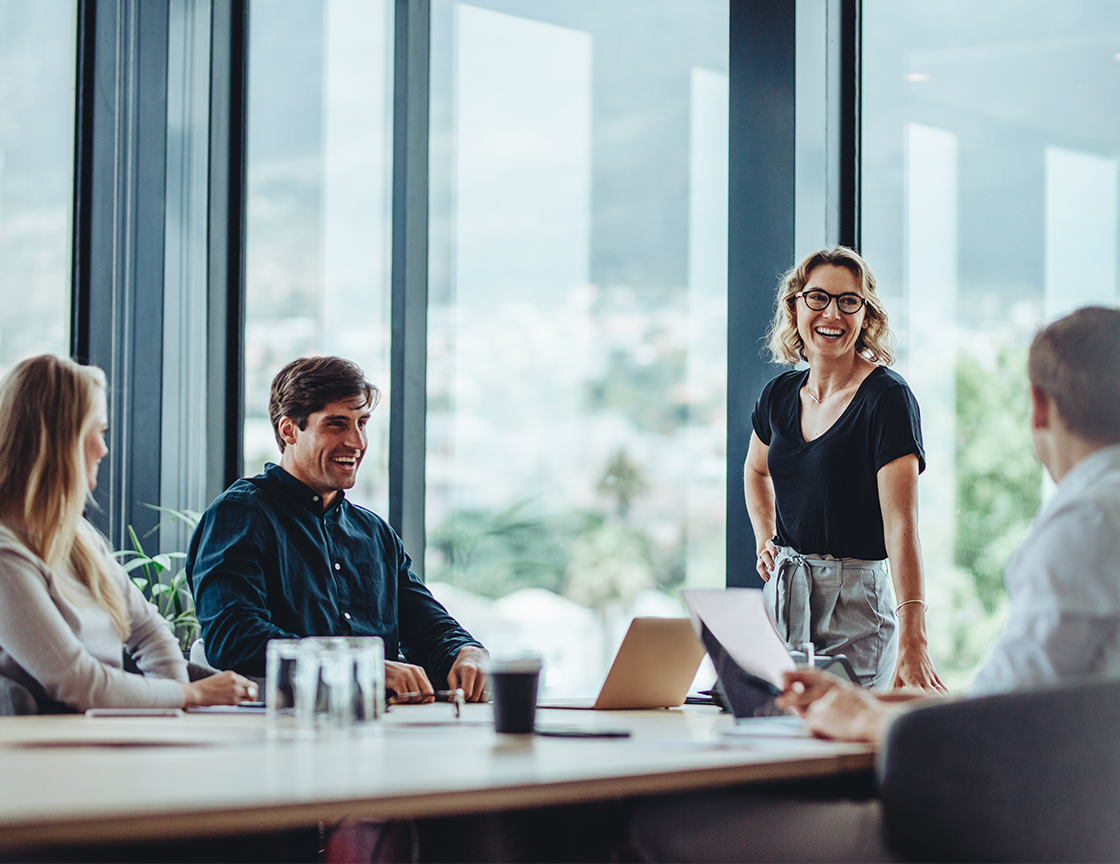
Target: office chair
x: 1014, y: 777
x: 15, y: 699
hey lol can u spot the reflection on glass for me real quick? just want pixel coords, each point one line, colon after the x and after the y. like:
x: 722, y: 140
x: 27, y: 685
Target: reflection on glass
x: 36, y: 174
x: 577, y: 318
x: 990, y: 147
x: 1080, y: 230
x: 320, y: 148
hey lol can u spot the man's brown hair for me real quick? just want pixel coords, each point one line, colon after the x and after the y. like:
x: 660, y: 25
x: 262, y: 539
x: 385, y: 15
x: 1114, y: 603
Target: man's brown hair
x: 1076, y: 362
x: 309, y: 384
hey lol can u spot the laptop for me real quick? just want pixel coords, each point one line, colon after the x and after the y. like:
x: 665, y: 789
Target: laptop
x: 748, y: 654
x: 654, y: 667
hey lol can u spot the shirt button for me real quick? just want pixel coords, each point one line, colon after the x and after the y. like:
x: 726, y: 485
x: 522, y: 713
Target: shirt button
x: 346, y: 615
x: 337, y: 566
x: 314, y: 497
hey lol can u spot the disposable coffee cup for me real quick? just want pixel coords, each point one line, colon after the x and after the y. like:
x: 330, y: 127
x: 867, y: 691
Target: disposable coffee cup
x: 513, y: 692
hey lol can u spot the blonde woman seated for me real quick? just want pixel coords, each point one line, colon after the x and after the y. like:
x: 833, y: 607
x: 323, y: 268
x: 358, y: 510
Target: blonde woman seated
x: 66, y: 607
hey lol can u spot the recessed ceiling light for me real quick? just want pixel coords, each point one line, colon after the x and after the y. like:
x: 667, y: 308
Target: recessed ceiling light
x: 916, y: 76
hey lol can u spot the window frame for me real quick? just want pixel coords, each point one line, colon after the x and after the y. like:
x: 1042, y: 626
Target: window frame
x: 123, y: 48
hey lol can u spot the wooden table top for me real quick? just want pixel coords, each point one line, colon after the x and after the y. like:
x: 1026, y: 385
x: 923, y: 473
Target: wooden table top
x: 75, y: 779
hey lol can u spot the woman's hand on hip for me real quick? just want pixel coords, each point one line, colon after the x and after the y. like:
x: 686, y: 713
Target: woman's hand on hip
x: 915, y: 671
x: 765, y: 562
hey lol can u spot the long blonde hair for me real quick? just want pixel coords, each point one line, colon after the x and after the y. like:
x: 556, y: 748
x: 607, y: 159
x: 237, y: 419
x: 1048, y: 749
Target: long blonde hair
x: 783, y: 340
x: 47, y: 408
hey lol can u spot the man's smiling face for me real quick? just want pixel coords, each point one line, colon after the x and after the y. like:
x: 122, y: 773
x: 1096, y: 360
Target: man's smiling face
x: 326, y: 454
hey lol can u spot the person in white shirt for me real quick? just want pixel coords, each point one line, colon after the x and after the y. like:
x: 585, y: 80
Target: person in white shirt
x: 67, y: 609
x: 1064, y: 621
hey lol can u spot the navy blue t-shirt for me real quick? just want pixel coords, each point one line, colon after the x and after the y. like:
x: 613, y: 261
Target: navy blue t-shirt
x: 266, y: 562
x: 827, y: 491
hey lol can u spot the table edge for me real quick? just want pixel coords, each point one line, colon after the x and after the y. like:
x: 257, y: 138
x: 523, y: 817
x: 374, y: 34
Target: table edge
x: 106, y: 829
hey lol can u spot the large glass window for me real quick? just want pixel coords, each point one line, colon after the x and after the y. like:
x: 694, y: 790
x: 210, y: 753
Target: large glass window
x: 577, y: 319
x: 36, y: 176
x: 990, y: 148
x: 319, y: 186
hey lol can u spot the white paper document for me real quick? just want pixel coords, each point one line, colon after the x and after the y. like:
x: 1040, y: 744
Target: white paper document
x: 737, y: 617
x: 768, y: 727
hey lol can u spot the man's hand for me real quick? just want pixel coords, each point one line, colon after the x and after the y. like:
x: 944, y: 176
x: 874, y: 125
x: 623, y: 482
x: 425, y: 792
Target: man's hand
x: 834, y: 708
x: 802, y: 687
x: 406, y: 678
x: 850, y: 713
x: 467, y: 673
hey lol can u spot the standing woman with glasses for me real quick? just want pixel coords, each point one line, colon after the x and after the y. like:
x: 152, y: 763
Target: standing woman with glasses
x: 831, y: 479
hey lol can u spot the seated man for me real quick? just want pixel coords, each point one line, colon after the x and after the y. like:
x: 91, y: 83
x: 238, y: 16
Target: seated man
x: 284, y: 554
x: 1064, y: 587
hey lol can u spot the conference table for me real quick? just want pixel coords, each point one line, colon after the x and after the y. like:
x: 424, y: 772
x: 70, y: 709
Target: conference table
x: 74, y: 779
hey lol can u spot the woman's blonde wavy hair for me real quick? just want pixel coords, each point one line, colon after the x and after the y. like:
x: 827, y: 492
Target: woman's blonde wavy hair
x: 47, y: 408
x: 783, y: 340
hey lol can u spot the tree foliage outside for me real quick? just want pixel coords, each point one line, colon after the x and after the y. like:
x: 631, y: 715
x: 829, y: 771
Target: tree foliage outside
x: 496, y: 553
x: 999, y: 480
x: 599, y: 558
x: 999, y: 490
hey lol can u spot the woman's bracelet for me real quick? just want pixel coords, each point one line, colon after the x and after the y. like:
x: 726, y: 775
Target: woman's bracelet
x: 898, y: 608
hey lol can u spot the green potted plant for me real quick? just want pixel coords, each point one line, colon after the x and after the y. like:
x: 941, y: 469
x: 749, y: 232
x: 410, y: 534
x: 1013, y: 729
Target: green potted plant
x: 163, y: 579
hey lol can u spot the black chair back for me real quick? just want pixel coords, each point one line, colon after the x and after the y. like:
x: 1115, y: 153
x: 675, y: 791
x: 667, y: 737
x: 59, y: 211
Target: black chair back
x: 1032, y: 776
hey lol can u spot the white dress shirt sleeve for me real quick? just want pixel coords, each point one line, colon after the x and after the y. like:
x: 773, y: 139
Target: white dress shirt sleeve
x: 1064, y: 588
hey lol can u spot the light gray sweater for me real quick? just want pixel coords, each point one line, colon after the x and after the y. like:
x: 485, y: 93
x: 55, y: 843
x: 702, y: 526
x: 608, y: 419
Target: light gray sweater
x: 56, y: 641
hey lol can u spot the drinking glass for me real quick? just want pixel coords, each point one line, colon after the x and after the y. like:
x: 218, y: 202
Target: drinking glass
x: 291, y: 688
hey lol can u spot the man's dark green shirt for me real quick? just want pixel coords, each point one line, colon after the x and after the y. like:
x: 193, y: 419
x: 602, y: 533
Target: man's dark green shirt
x: 267, y: 563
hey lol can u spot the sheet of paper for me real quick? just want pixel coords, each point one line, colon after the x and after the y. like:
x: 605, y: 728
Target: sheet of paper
x: 737, y: 617
x: 769, y: 727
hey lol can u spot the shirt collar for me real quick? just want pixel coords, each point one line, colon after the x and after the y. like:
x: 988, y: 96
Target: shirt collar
x: 299, y: 491
x: 1086, y: 472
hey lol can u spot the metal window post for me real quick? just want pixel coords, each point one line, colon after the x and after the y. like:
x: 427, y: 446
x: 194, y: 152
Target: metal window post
x: 761, y: 232
x: 408, y: 375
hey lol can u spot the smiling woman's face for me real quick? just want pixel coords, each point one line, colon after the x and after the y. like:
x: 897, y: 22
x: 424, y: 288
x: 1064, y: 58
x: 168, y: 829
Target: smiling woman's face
x: 830, y: 333
x: 94, y: 442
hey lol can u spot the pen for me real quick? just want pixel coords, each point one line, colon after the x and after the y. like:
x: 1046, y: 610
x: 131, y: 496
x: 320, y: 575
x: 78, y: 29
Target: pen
x: 440, y: 695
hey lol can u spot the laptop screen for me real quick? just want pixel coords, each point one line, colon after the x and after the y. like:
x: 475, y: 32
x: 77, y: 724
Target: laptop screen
x: 744, y: 694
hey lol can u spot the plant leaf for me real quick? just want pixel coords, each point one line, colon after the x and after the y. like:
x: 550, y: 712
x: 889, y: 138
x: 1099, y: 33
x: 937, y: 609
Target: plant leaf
x: 190, y: 517
x: 136, y: 541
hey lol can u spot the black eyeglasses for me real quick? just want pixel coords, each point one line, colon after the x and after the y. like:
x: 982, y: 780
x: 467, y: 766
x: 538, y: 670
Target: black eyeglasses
x: 818, y: 301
